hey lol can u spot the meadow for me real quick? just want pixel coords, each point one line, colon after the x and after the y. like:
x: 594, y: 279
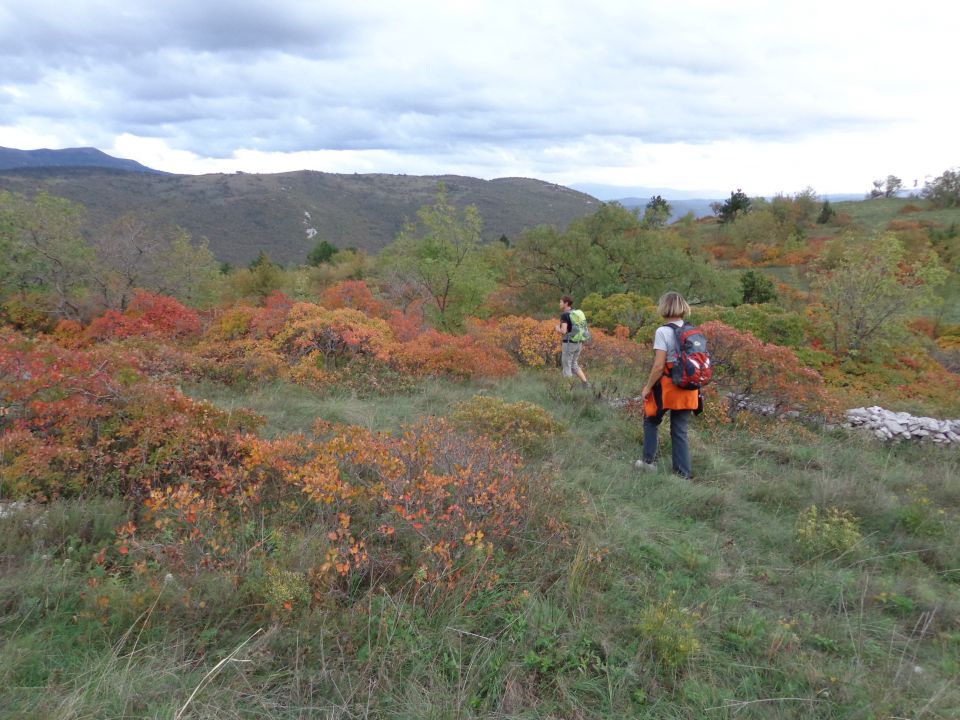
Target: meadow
x: 363, y: 490
x: 807, y: 572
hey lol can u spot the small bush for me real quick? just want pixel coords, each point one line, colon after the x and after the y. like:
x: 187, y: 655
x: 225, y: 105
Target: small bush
x: 671, y: 632
x: 835, y: 532
x: 921, y: 516
x: 523, y: 424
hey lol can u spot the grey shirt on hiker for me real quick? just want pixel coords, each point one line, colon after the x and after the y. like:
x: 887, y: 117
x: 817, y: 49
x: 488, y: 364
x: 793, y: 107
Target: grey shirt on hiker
x: 666, y: 340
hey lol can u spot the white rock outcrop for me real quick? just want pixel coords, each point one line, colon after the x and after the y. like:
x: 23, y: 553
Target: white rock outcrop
x: 888, y: 425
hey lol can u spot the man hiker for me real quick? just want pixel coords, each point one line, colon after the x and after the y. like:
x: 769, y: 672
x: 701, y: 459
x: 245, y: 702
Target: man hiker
x: 572, y: 342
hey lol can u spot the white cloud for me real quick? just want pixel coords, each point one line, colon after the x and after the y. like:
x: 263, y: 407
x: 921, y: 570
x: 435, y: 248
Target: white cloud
x: 687, y: 94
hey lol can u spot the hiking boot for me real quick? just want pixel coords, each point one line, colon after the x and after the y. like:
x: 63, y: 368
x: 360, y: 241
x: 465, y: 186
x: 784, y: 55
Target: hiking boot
x: 645, y: 466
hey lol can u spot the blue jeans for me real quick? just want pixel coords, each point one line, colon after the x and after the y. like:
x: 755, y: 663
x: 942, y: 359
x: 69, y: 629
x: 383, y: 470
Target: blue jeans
x: 679, y: 422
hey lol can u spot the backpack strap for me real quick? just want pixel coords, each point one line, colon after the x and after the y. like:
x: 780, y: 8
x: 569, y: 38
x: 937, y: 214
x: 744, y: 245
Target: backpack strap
x: 676, y: 335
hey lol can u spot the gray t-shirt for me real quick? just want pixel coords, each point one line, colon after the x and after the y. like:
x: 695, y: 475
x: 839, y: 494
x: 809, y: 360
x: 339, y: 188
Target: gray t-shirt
x: 666, y: 339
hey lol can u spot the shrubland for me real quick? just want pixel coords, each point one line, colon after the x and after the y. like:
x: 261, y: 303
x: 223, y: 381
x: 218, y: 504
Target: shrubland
x: 320, y: 492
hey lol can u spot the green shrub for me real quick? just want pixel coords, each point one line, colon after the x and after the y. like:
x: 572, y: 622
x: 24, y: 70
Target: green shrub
x: 921, y: 516
x: 522, y: 424
x: 627, y: 309
x: 834, y: 532
x: 671, y: 632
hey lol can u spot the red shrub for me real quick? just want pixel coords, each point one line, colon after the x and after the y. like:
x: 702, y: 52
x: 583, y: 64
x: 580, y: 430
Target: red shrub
x: 763, y: 372
x: 149, y: 315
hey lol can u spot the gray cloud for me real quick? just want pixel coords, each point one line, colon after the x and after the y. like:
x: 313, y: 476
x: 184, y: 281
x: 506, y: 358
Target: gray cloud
x: 438, y: 79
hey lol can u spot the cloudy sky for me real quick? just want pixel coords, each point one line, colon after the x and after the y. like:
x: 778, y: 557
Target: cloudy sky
x: 767, y: 96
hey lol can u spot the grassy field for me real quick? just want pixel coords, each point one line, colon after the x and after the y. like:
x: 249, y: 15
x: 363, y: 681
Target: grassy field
x: 662, y: 599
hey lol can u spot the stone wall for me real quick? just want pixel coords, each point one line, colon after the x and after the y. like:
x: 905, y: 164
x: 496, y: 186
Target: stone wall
x: 888, y: 425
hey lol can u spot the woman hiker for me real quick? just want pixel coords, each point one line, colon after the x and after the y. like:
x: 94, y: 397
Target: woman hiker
x: 660, y: 394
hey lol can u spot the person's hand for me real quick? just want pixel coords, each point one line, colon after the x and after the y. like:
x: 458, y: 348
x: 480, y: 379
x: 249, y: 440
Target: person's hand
x: 646, y: 391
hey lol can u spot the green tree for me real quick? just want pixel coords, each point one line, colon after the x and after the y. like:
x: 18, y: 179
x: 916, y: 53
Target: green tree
x: 887, y: 188
x: 733, y: 207
x: 131, y: 254
x: 757, y: 288
x: 657, y: 211
x: 827, y: 213
x: 261, y: 278
x: 322, y: 252
x: 872, y: 289
x: 943, y: 191
x: 440, y: 254
x: 611, y: 252
x: 43, y: 249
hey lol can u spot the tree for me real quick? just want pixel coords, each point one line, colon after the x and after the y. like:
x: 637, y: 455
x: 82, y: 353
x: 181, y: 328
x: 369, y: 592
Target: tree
x: 130, y: 255
x: 262, y: 278
x: 943, y: 191
x: 613, y: 252
x: 872, y: 289
x: 827, y: 213
x: 322, y: 252
x: 440, y: 254
x: 736, y: 205
x: 886, y: 188
x: 757, y: 288
x: 43, y: 249
x: 657, y: 211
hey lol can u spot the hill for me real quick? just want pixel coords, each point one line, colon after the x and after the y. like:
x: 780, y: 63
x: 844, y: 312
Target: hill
x: 13, y: 159
x: 286, y: 214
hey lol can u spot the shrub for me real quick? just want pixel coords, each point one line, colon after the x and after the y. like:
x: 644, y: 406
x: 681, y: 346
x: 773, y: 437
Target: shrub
x: 531, y: 343
x: 313, y: 332
x: 921, y: 516
x: 767, y: 322
x: 79, y: 420
x: 627, y: 309
x: 612, y: 351
x: 29, y: 312
x: 745, y: 366
x: 437, y: 354
x: 149, y: 315
x: 522, y: 424
x: 834, y: 532
x: 353, y: 294
x: 424, y: 504
x: 671, y: 632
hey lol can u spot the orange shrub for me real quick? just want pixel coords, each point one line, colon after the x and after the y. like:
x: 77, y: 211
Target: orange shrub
x: 426, y: 503
x: 612, y: 351
x: 435, y: 353
x: 531, y: 343
x: 353, y: 294
x: 330, y: 337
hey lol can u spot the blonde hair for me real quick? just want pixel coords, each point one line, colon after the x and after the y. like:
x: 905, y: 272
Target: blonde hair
x: 672, y: 305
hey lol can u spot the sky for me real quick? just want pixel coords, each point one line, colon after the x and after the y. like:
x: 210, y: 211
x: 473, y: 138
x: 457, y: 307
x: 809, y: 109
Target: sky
x: 699, y: 96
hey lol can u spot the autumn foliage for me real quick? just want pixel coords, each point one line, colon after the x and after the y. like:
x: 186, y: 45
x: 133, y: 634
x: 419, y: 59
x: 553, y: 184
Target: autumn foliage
x: 764, y: 373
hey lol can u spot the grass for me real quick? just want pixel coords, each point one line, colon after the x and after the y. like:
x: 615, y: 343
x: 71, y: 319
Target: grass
x: 668, y: 599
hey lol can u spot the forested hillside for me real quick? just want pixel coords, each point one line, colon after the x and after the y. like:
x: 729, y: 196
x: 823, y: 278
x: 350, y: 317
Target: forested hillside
x: 359, y: 486
x: 285, y: 214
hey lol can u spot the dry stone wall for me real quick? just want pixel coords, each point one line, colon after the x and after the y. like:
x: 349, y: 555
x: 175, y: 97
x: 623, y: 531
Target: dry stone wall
x: 889, y: 425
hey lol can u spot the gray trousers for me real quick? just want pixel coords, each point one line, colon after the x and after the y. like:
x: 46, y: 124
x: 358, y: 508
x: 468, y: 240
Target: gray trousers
x: 569, y: 356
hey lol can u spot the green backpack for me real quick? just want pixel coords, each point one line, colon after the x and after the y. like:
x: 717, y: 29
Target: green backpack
x: 579, y: 332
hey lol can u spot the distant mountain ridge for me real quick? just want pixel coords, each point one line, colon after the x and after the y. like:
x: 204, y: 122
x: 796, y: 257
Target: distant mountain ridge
x: 286, y: 214
x: 13, y: 159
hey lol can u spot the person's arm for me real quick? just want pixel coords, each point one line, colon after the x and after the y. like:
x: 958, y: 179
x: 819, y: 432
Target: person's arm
x: 656, y: 372
x: 562, y: 328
